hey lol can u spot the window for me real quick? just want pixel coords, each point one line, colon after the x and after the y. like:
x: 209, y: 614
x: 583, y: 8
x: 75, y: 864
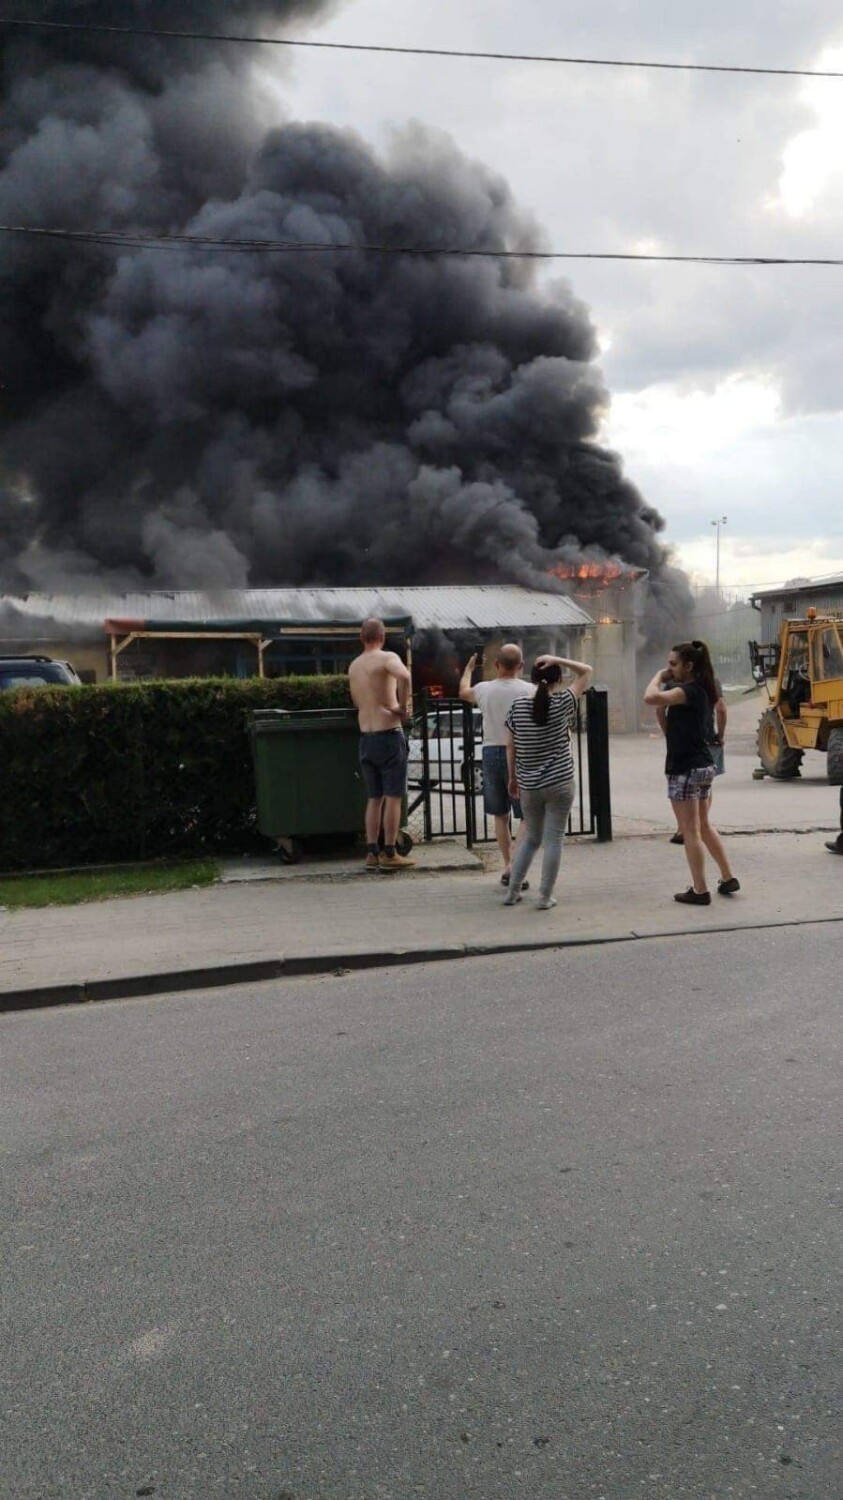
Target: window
x: 828, y: 653
x: 20, y: 679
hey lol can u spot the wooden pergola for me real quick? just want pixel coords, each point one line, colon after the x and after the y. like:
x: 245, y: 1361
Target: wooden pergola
x: 259, y: 633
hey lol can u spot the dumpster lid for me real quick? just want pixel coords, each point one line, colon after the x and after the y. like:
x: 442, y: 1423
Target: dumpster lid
x: 304, y: 718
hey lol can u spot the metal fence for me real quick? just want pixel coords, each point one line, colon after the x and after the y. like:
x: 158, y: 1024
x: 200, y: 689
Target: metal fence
x: 446, y: 771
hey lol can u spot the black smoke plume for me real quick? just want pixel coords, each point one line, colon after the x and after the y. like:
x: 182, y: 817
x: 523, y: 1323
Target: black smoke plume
x: 197, y: 419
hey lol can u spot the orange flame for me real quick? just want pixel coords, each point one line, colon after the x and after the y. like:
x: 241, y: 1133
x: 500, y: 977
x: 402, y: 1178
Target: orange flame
x: 589, y: 571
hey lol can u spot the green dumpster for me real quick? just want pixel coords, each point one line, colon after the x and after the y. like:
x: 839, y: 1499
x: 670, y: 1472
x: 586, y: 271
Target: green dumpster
x: 307, y: 772
x: 307, y: 775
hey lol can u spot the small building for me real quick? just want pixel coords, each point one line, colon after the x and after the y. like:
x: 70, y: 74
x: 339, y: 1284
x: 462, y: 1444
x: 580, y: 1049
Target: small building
x: 273, y: 632
x: 789, y: 601
x: 278, y: 632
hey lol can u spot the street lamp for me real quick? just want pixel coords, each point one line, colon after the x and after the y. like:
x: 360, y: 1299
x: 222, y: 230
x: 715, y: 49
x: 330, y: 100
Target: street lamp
x: 721, y: 521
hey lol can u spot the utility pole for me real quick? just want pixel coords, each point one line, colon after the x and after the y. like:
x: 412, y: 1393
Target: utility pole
x: 721, y: 521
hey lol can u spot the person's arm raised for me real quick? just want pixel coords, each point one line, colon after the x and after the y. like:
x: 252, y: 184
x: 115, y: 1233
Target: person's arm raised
x: 583, y: 673
x: 658, y: 696
x: 466, y: 691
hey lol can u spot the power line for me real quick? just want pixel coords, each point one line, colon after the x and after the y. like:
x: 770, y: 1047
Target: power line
x: 139, y: 240
x: 531, y: 57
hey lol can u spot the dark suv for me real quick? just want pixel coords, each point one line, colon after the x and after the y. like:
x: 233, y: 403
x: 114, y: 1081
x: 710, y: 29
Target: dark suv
x: 36, y: 671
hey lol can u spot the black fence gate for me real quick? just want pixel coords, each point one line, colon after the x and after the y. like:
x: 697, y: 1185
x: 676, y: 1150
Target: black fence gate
x: 446, y: 769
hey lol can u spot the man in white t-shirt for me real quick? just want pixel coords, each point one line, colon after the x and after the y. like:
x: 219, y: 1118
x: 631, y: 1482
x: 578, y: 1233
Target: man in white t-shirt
x: 494, y: 700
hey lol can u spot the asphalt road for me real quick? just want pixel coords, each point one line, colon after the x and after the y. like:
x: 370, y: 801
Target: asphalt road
x: 553, y: 1226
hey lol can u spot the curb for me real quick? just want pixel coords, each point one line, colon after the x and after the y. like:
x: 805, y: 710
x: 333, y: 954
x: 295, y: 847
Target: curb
x: 135, y: 986
x: 310, y: 876
x: 303, y: 965
x: 47, y: 994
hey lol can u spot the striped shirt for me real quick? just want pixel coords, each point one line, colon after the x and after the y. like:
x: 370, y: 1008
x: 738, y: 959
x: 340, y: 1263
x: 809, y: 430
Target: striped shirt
x: 543, y: 755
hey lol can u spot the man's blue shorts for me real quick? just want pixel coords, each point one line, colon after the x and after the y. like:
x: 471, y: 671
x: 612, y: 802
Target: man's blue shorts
x: 383, y: 762
x: 496, y: 798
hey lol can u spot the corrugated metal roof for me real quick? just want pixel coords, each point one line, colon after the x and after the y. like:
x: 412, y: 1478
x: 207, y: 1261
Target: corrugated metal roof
x: 469, y: 607
x: 800, y: 586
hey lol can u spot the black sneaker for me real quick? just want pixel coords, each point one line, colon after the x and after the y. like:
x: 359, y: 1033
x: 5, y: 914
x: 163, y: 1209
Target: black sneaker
x: 837, y: 846
x: 525, y: 884
x: 678, y: 838
x: 693, y: 898
x: 728, y: 887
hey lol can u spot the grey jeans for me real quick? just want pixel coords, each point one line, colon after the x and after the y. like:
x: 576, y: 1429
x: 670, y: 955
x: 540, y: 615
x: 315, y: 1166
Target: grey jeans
x: 546, y: 814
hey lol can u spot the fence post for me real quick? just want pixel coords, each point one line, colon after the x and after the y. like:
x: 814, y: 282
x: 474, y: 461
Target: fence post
x: 599, y: 784
x: 468, y: 774
x: 424, y: 733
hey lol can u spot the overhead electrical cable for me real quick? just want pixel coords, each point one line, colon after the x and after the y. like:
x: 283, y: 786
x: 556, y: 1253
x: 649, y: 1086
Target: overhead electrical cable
x: 140, y: 240
x: 527, y: 57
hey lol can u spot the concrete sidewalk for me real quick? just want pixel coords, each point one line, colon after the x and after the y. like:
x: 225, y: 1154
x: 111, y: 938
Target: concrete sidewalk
x: 265, y: 919
x: 245, y: 930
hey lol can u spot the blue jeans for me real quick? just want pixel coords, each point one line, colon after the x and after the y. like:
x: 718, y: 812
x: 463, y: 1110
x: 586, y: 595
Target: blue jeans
x: 496, y: 799
x: 546, y: 814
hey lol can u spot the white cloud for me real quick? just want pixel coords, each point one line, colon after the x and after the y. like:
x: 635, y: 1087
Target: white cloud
x: 746, y: 563
x: 812, y: 159
x: 669, y: 425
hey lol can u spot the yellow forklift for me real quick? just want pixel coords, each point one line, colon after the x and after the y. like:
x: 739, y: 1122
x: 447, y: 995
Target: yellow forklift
x: 803, y: 675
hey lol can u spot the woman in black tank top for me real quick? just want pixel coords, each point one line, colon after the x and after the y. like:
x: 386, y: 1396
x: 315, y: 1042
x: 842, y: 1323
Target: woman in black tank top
x: 686, y: 690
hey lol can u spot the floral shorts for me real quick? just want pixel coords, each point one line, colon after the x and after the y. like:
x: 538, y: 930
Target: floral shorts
x: 691, y: 786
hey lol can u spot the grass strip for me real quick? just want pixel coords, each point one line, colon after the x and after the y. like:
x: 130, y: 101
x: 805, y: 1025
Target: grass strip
x: 68, y: 890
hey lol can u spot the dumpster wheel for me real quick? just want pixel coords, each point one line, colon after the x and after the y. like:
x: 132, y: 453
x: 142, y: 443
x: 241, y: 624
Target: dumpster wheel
x: 289, y: 851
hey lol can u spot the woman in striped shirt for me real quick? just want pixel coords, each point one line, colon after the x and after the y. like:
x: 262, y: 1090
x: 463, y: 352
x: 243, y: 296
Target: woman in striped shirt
x: 541, y: 769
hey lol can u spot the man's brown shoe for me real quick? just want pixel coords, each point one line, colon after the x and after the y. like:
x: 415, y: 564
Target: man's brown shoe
x: 372, y: 861
x: 395, y: 861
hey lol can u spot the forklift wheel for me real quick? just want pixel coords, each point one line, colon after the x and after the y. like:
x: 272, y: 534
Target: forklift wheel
x: 780, y: 761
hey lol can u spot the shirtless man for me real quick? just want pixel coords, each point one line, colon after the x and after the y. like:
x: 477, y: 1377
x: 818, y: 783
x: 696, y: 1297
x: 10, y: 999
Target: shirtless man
x: 380, y: 691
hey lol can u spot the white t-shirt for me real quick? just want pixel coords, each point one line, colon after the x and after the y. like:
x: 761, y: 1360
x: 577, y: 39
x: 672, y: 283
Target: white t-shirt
x: 494, y: 700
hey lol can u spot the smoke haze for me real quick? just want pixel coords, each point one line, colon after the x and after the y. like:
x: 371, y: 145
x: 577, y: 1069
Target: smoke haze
x: 179, y: 418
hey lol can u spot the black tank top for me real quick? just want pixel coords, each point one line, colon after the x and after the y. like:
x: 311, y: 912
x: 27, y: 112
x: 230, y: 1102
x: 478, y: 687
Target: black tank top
x: 687, y: 727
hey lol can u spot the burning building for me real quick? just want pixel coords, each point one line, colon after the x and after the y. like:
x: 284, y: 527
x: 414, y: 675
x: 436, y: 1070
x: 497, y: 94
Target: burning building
x: 274, y: 632
x: 179, y: 416
x: 618, y: 599
x: 244, y: 632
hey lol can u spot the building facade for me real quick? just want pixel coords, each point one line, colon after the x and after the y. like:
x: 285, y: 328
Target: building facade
x: 278, y: 632
x: 790, y: 601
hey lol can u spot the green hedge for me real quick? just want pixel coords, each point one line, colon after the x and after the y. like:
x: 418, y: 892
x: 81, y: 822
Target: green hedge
x: 97, y: 775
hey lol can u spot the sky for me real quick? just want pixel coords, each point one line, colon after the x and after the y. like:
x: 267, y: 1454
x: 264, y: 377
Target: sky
x: 726, y: 382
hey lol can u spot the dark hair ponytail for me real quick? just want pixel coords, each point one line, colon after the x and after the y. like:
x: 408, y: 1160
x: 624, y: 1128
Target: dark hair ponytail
x: 543, y: 676
x: 697, y: 654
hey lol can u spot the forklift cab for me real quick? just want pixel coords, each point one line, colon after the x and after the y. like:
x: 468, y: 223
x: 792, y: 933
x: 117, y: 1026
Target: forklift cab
x: 797, y: 687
